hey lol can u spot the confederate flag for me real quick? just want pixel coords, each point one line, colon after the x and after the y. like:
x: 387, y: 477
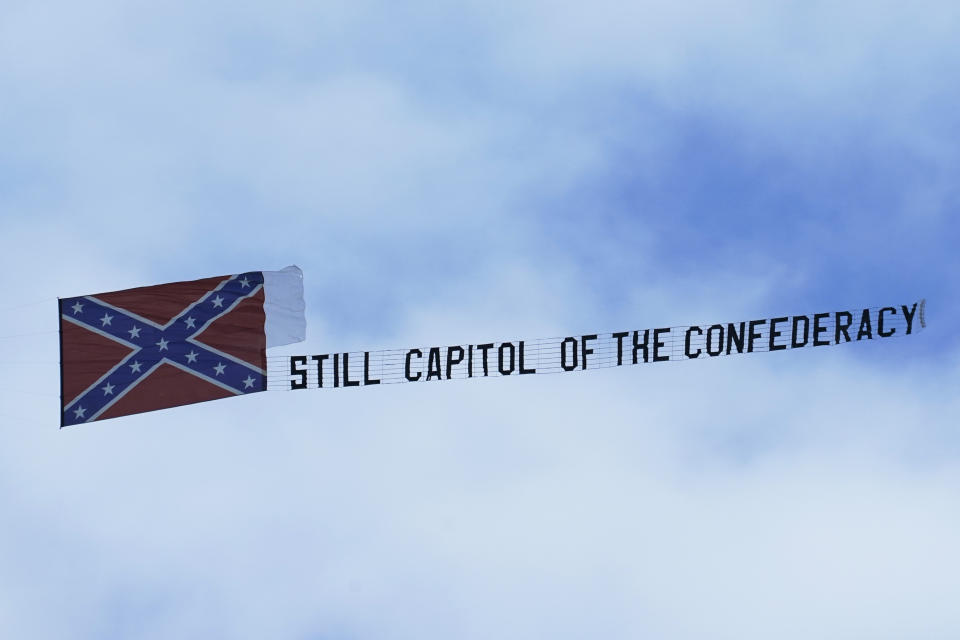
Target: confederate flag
x: 166, y: 345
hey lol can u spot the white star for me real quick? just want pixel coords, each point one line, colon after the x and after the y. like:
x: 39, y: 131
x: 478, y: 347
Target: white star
x: 79, y: 412
x: 134, y: 333
x: 218, y: 302
x: 245, y: 282
x: 191, y: 323
x: 192, y: 356
x: 163, y: 344
x: 135, y: 367
x: 248, y: 382
x: 108, y: 389
x: 77, y: 307
x: 220, y: 367
x: 105, y: 320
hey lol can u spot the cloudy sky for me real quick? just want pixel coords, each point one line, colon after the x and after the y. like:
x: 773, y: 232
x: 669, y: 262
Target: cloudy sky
x: 460, y: 173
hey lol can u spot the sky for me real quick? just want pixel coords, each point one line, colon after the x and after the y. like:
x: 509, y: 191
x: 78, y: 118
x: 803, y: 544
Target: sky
x: 458, y: 173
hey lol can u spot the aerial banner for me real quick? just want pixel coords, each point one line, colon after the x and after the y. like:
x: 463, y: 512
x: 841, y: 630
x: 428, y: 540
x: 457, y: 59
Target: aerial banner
x: 167, y: 345
x: 163, y: 346
x: 593, y: 350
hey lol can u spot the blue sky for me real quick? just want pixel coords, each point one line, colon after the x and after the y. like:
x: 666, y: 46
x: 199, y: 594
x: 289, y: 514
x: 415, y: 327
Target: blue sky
x: 473, y: 172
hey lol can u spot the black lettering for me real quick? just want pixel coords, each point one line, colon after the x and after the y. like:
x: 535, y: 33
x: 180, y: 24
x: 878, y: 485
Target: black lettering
x: 686, y: 342
x: 637, y: 345
x: 524, y: 371
x: 411, y: 353
x: 908, y: 315
x: 841, y: 327
x: 336, y: 370
x: 583, y: 348
x: 794, y: 343
x: 300, y: 373
x: 657, y: 343
x: 754, y: 335
x: 620, y: 336
x: 433, y: 363
x: 483, y: 349
x: 504, y: 371
x: 366, y: 370
x: 710, y: 332
x: 774, y: 334
x: 865, y: 328
x: 470, y: 361
x: 319, y: 360
x: 734, y: 337
x: 563, y: 354
x: 880, y: 331
x: 347, y: 382
x: 818, y: 329
x: 451, y: 360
